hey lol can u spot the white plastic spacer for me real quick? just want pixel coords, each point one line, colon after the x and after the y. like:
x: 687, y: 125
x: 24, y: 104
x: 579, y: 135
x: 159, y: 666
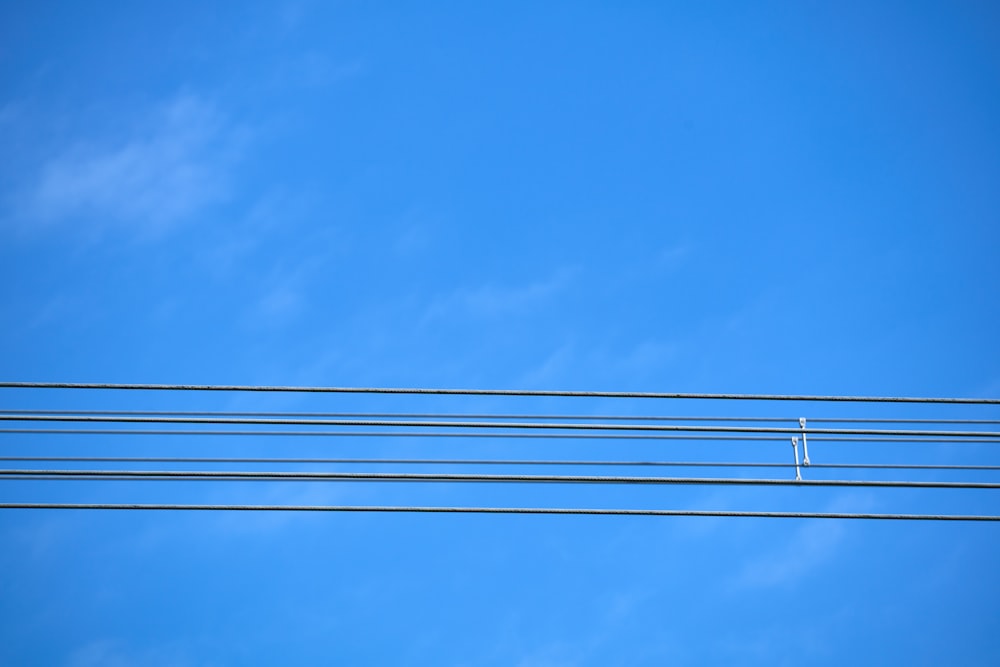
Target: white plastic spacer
x: 795, y: 448
x: 805, y: 443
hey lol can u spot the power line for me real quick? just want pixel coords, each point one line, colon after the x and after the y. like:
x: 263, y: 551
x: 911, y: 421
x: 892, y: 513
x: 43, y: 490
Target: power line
x: 465, y: 477
x: 399, y: 434
x: 517, y: 462
x: 493, y: 392
x: 481, y: 425
x: 424, y: 415
x: 481, y: 435
x: 858, y: 420
x: 492, y: 425
x: 399, y: 415
x: 503, y: 510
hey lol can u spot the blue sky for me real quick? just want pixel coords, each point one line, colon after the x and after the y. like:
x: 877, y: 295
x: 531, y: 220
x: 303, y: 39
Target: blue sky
x: 725, y: 197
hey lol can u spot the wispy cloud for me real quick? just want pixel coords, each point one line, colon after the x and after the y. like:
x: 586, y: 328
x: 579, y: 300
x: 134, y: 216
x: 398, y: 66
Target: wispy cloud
x: 990, y: 389
x: 112, y: 653
x: 604, y: 364
x: 284, y: 291
x: 672, y: 257
x: 553, y: 654
x: 648, y: 357
x: 812, y: 545
x: 9, y: 112
x: 317, y: 70
x: 279, y: 304
x: 165, y: 172
x: 551, y: 370
x: 493, y: 300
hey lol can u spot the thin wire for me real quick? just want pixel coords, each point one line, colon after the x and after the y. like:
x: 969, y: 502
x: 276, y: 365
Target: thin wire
x: 901, y: 466
x: 859, y: 420
x: 493, y: 425
x: 400, y: 415
x: 526, y: 462
x: 503, y: 510
x: 463, y: 477
x: 504, y: 436
x: 398, y: 434
x: 901, y: 440
x: 491, y: 392
x: 519, y: 462
x: 404, y: 415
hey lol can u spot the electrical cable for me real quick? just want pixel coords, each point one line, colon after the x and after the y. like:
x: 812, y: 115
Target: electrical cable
x: 502, y: 510
x: 395, y: 415
x: 480, y: 435
x: 465, y: 477
x: 495, y: 425
x: 517, y: 462
x: 424, y: 415
x: 398, y: 434
x: 860, y: 430
x: 491, y: 392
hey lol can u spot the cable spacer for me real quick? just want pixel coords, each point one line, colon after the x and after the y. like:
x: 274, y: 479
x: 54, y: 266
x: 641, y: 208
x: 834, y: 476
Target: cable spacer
x: 805, y: 444
x: 795, y: 448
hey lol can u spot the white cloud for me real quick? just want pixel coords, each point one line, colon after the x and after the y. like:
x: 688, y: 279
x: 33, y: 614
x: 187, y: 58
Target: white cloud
x: 604, y: 364
x: 493, y: 300
x: 279, y: 304
x: 283, y: 296
x: 813, y: 544
x: 316, y: 70
x: 672, y: 257
x: 990, y: 389
x: 9, y: 113
x: 648, y: 357
x: 110, y: 653
x: 172, y: 168
x: 550, y: 370
x: 232, y: 525
x: 554, y: 654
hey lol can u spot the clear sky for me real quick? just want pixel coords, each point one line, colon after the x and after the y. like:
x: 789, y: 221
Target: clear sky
x: 773, y: 197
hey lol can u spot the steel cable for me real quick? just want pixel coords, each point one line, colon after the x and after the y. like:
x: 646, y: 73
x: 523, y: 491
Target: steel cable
x: 491, y: 462
x: 495, y: 425
x: 132, y: 419
x: 492, y: 392
x: 426, y: 415
x: 502, y: 510
x: 464, y: 477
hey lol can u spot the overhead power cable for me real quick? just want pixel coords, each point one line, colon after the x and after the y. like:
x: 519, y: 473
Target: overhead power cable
x: 396, y: 434
x: 522, y: 416
x: 492, y: 392
x: 465, y: 477
x: 397, y: 415
x: 802, y: 431
x: 499, y: 425
x: 502, y: 510
x: 537, y: 435
x: 489, y: 462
